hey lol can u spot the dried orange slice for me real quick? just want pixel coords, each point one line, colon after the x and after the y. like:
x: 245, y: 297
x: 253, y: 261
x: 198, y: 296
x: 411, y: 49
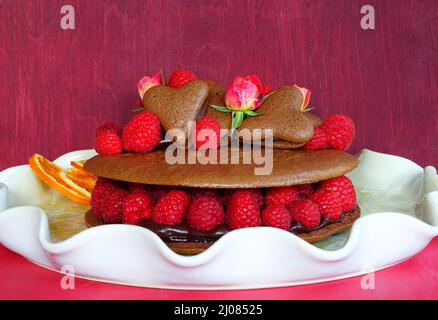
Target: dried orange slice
x: 77, y: 169
x: 82, y: 178
x: 78, y: 164
x: 76, y: 187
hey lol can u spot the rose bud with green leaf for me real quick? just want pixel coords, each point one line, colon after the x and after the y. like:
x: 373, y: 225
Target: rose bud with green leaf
x: 148, y: 82
x: 243, y: 97
x: 306, y: 98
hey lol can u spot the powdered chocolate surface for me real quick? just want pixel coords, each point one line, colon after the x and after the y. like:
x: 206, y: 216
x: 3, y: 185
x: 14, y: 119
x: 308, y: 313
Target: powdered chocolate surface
x: 281, y: 112
x: 175, y: 107
x: 289, y: 167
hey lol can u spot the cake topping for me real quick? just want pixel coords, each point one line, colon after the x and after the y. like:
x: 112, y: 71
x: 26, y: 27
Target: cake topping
x: 306, y: 99
x: 207, y: 133
x: 109, y: 126
x: 180, y: 77
x: 281, y: 112
x: 147, y: 82
x: 242, y: 98
x: 108, y: 143
x: 318, y: 141
x: 176, y: 107
x: 340, y: 131
x: 142, y: 133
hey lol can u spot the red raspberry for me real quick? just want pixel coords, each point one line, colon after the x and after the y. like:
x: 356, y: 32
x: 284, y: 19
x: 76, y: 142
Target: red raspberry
x: 306, y: 212
x: 136, y: 206
x: 340, y: 131
x: 214, y: 193
x: 318, y: 142
x: 226, y: 196
x: 137, y: 187
x: 171, y: 208
x: 304, y: 190
x: 265, y: 89
x: 181, y: 77
x: 207, y: 133
x: 109, y: 126
x: 206, y: 213
x: 142, y: 133
x: 277, y: 216
x: 108, y: 144
x: 106, y: 200
x: 258, y: 194
x: 101, y: 190
x: 343, y: 189
x: 156, y: 192
x: 329, y: 204
x: 281, y: 195
x: 243, y: 210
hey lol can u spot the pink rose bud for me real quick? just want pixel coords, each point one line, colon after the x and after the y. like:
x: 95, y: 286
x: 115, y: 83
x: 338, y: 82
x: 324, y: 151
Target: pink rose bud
x: 243, y: 94
x: 306, y: 97
x: 148, y: 82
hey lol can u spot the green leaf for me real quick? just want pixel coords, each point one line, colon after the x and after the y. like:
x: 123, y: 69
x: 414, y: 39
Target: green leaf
x: 266, y: 97
x: 251, y: 113
x: 219, y: 108
x: 163, y: 79
x: 307, y: 109
x: 237, y: 119
x: 141, y: 109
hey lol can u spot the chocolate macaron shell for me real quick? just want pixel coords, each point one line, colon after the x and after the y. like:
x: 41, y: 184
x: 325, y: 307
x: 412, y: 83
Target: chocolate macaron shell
x: 281, y: 113
x: 216, y: 97
x: 175, y: 107
x: 286, y: 145
x: 314, y: 119
x: 289, y: 167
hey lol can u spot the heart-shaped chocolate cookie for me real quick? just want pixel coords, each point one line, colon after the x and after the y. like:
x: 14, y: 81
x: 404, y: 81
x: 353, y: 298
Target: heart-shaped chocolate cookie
x: 217, y: 97
x: 281, y: 113
x: 175, y: 107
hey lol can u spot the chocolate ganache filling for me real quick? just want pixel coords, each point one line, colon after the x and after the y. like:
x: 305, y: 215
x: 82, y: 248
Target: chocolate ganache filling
x: 184, y: 233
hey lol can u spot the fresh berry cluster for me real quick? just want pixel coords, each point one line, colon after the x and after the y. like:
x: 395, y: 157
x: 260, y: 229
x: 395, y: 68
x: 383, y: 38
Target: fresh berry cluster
x: 206, y: 209
x: 141, y: 134
x: 337, y: 132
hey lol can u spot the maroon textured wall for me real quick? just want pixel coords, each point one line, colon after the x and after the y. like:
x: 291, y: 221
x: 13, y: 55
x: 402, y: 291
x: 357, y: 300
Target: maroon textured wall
x: 56, y: 86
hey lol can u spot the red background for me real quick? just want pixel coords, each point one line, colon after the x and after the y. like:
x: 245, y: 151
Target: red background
x: 57, y: 85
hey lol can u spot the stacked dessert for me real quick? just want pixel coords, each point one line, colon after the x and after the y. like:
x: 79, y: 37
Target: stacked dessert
x: 191, y: 205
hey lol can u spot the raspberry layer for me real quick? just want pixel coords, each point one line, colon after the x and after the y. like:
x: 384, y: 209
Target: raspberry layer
x: 178, y: 235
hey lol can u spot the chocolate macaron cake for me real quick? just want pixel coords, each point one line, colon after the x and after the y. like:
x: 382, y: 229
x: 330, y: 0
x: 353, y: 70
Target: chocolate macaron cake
x: 191, y: 204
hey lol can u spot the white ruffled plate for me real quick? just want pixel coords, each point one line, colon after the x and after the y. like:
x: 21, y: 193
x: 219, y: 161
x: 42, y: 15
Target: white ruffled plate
x: 399, y: 201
